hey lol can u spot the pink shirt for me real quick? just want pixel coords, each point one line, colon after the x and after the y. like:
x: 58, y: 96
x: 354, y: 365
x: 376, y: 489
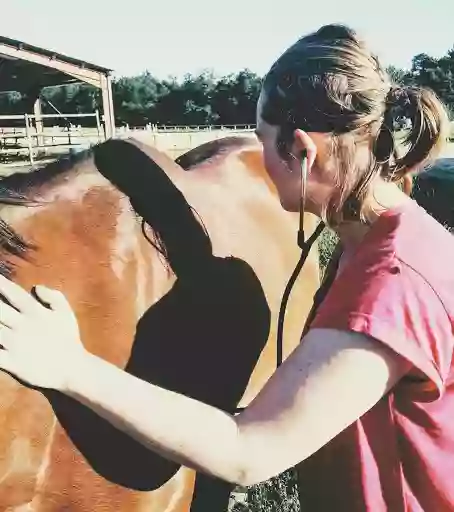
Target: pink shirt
x: 397, y: 287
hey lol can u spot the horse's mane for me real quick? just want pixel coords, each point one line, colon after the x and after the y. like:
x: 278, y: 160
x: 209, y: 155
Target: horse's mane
x: 19, y: 189
x: 212, y: 150
x: 21, y: 182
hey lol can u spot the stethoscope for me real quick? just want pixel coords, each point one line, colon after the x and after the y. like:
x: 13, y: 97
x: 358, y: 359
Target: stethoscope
x: 305, y: 246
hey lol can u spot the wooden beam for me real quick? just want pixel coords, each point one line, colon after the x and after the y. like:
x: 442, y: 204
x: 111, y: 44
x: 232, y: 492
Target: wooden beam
x: 85, y: 75
x: 95, y: 83
x: 108, y: 108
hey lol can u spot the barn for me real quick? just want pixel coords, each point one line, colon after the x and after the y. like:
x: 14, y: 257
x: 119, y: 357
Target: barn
x: 28, y: 69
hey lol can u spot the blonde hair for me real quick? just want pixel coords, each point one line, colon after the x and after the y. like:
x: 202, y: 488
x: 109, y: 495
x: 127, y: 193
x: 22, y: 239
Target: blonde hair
x: 329, y: 82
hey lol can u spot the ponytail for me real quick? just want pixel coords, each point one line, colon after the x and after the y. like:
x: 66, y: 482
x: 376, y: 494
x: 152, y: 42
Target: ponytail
x: 428, y: 134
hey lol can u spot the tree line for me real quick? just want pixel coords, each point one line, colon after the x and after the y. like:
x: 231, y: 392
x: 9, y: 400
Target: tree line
x: 204, y: 98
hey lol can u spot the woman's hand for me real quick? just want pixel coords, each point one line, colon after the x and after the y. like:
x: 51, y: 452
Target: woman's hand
x: 40, y: 337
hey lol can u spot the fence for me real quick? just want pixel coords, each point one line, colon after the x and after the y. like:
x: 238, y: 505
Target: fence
x: 175, y: 140
x: 198, y: 128
x: 33, y: 139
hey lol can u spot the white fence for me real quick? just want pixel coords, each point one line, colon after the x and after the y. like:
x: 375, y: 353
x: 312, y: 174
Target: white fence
x: 33, y: 141
x: 190, y: 128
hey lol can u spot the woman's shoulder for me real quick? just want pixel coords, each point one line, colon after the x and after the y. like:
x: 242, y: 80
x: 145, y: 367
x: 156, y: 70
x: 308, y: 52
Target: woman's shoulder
x: 398, y: 288
x: 401, y: 269
x: 411, y: 242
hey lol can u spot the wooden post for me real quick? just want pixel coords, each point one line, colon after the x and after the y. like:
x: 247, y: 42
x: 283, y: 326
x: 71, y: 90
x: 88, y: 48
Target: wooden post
x: 108, y: 108
x: 38, y: 121
x: 98, y: 125
x: 29, y: 139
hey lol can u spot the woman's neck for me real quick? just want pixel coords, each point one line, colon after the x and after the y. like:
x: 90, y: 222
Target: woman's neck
x: 385, y: 196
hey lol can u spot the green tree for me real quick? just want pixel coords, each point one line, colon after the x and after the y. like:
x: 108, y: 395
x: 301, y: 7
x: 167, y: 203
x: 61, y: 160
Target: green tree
x: 235, y: 98
x: 206, y: 99
x: 136, y: 98
x: 436, y: 74
x: 398, y: 75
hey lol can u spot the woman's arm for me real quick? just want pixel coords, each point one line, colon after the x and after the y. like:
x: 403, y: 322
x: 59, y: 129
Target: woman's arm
x: 328, y: 382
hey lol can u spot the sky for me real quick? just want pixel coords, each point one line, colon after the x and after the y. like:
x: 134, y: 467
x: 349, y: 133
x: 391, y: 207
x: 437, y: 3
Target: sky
x: 171, y: 38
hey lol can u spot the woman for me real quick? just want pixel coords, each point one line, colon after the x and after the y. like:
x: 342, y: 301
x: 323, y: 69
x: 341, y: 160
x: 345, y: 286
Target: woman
x: 365, y: 400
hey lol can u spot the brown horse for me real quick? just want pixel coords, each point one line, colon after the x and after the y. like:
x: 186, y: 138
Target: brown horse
x: 195, y: 310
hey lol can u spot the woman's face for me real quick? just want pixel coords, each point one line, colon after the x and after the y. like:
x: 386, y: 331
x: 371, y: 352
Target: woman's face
x: 286, y: 176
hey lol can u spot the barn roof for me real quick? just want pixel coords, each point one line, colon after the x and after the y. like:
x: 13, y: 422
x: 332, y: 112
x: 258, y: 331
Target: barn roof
x: 23, y: 65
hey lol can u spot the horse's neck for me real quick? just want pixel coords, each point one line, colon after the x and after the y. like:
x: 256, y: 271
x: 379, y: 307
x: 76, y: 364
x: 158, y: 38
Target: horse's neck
x: 90, y: 245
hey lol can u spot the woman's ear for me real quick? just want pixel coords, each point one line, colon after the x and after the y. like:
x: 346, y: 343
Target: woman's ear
x: 303, y: 142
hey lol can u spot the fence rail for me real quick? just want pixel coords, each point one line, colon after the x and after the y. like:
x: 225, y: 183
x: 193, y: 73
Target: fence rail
x: 189, y: 128
x: 33, y: 139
